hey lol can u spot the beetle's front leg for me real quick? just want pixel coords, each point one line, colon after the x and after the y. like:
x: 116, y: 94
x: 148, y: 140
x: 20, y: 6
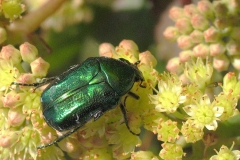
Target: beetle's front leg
x: 125, y: 117
x: 36, y: 85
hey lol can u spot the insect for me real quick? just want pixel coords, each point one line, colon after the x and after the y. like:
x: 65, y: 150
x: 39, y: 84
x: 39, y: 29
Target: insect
x: 86, y: 91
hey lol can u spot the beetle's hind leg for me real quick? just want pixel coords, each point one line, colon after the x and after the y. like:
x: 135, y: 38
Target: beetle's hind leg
x: 122, y: 106
x: 35, y: 85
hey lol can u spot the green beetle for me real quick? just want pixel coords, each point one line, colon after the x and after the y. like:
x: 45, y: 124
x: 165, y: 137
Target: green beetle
x: 86, y: 91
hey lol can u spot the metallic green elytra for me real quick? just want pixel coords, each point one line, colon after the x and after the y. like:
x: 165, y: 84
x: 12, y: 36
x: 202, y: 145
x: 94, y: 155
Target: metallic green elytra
x: 86, y: 91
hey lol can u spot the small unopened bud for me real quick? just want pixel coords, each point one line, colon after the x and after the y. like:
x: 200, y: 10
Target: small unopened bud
x: 217, y: 49
x: 171, y: 33
x: 130, y: 47
x: 39, y: 67
x: 173, y: 65
x: 3, y: 35
x: 8, y: 139
x: 211, y: 35
x: 184, y: 26
x: 233, y: 48
x: 147, y: 58
x: 236, y: 63
x: 28, y: 52
x: 197, y: 36
x: 16, y: 117
x: 106, y: 49
x: 10, y: 53
x: 221, y: 64
x: 185, y: 42
x: 201, y: 50
x: 206, y: 8
x: 26, y: 78
x: 12, y: 99
x: 176, y: 13
x: 190, y: 10
x: 185, y: 55
x: 199, y: 22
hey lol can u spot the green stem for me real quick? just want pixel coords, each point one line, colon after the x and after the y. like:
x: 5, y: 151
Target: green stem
x: 32, y: 20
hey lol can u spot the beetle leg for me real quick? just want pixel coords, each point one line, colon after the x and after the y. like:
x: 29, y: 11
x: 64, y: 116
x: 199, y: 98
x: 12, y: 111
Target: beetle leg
x: 60, y: 138
x: 36, y: 85
x: 133, y: 95
x: 122, y: 106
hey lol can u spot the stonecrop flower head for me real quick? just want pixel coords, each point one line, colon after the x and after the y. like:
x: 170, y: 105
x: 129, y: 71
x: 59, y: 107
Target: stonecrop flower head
x: 204, y: 113
x: 207, y: 29
x: 226, y: 153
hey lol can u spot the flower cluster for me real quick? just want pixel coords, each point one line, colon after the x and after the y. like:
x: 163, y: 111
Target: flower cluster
x: 207, y: 29
x: 23, y: 128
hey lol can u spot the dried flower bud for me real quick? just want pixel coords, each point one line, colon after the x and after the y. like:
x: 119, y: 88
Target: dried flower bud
x: 235, y: 33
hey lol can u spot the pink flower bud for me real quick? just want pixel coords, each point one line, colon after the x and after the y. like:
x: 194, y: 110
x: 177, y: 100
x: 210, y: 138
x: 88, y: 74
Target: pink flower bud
x: 173, y: 65
x: 206, y: 8
x: 185, y: 55
x: 12, y: 99
x: 26, y: 78
x: 233, y: 48
x: 39, y: 67
x: 184, y: 26
x: 176, y: 13
x: 201, y: 50
x: 190, y: 10
x: 171, y: 33
x: 147, y: 58
x: 106, y: 49
x: 197, y: 36
x: 199, y: 22
x: 217, y: 49
x: 211, y: 34
x: 8, y: 139
x: 236, y: 63
x: 130, y: 47
x: 28, y: 52
x: 10, y: 53
x: 185, y: 42
x: 221, y: 64
x: 16, y: 117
